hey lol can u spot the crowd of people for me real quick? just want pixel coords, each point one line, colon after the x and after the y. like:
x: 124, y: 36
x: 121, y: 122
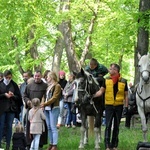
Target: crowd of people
x: 36, y: 107
x: 43, y: 103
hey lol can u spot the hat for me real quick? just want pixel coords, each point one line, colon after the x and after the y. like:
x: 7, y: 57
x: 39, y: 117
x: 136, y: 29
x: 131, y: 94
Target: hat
x: 62, y: 73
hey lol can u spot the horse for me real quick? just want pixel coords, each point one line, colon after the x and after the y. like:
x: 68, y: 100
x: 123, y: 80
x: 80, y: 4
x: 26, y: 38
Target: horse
x: 86, y: 87
x: 143, y: 91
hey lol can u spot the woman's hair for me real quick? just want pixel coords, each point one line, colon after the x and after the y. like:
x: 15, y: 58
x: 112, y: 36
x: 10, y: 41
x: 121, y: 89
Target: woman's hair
x: 19, y: 128
x: 35, y: 102
x: 30, y: 80
x: 46, y: 73
x: 53, y: 76
x: 73, y: 76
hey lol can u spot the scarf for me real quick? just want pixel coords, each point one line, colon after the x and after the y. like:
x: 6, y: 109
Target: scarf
x: 115, y: 78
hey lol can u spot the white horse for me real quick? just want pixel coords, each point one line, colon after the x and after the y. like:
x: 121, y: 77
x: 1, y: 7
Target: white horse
x: 143, y: 91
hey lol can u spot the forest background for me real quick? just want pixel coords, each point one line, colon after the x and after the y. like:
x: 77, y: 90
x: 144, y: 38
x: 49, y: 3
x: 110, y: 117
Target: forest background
x: 65, y: 34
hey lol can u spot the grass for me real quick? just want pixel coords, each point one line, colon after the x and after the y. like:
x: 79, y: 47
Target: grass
x: 69, y: 138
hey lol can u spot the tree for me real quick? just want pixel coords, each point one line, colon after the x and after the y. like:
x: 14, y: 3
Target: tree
x: 143, y: 33
x: 63, y: 39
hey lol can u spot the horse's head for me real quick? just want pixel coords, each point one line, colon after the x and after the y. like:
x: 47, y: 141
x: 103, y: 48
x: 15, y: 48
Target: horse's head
x: 144, y: 67
x: 86, y: 86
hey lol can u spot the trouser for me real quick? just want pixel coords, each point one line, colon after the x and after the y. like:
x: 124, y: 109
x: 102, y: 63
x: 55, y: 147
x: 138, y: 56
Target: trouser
x: 6, y: 119
x: 35, y: 142
x: 113, y: 115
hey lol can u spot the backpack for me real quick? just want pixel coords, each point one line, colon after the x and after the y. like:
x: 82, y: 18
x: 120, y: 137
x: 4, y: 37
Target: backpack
x: 132, y: 99
x: 132, y: 96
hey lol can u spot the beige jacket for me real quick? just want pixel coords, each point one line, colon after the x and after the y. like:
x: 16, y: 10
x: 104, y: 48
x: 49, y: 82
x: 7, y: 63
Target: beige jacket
x: 36, y: 118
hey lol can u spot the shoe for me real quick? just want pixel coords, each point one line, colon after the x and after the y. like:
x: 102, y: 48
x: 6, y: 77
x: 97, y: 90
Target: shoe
x: 107, y: 148
x: 58, y: 126
x: 54, y: 147
x: 50, y: 147
x: 115, y: 148
x: 67, y: 126
x: 73, y: 126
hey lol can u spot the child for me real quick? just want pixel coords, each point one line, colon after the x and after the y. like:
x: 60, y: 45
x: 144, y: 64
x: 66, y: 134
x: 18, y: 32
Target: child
x: 18, y: 139
x: 36, y: 118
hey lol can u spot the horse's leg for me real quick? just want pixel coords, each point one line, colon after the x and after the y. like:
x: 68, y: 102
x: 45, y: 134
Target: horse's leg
x: 82, y: 130
x: 96, y: 130
x: 143, y: 121
x: 86, y: 133
x: 100, y: 134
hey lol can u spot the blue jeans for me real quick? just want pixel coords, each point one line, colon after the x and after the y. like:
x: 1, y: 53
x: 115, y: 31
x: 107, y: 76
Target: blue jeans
x: 6, y: 119
x: 60, y: 118
x: 51, y: 121
x: 35, y: 142
x: 113, y: 114
x: 71, y: 117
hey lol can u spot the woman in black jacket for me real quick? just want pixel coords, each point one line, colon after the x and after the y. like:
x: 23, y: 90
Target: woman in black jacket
x: 10, y: 103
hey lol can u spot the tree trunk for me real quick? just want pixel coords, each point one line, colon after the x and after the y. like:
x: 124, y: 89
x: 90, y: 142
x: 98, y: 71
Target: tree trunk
x: 68, y: 41
x: 33, y: 48
x: 15, y: 42
x: 58, y: 50
x: 69, y: 46
x: 88, y: 39
x: 143, y: 34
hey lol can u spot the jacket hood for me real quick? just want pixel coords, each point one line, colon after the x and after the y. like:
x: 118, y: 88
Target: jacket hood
x: 18, y: 135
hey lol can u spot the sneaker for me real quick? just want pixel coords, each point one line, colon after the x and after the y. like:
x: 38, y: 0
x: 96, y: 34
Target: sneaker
x: 73, y: 126
x: 107, y: 148
x: 115, y: 148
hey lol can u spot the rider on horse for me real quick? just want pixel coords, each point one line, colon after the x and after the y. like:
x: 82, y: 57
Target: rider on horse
x: 97, y: 70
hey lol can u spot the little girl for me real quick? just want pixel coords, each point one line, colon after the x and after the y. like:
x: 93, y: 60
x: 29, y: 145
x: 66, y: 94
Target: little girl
x: 36, y: 118
x: 18, y: 139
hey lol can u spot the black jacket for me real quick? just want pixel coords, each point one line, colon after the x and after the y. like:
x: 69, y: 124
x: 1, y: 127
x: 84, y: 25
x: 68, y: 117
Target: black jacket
x: 62, y: 83
x: 5, y: 102
x: 18, y: 141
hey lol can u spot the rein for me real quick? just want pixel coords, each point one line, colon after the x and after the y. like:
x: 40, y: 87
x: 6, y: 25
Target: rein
x: 92, y: 103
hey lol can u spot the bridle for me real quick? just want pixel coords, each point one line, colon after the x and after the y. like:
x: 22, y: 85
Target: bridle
x: 140, y: 92
x: 86, y: 90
